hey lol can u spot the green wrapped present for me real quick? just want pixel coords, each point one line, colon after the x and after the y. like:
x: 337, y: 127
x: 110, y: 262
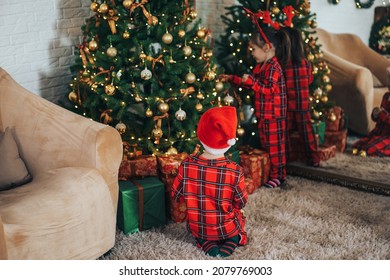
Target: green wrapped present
x: 234, y: 155
x: 319, y: 128
x: 141, y: 204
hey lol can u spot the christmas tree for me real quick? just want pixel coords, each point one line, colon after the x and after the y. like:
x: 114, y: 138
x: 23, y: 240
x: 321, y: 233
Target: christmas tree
x: 147, y: 68
x: 236, y: 58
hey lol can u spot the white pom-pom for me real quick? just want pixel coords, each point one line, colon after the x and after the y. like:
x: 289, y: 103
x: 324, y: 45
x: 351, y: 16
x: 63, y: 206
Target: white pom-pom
x: 231, y: 142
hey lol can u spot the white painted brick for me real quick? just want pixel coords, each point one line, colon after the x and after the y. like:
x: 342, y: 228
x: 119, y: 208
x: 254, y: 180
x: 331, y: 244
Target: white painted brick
x: 4, y: 41
x: 11, y: 9
x: 41, y: 7
x: 13, y: 29
x: 7, y: 61
x: 47, y: 63
x: 68, y: 4
x: 20, y: 39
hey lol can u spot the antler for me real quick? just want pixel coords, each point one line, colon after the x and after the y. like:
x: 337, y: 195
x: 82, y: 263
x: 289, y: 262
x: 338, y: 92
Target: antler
x: 254, y: 18
x: 289, y: 11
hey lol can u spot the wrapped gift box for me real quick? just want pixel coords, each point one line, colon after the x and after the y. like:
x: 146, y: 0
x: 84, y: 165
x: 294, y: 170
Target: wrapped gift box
x: 140, y: 166
x: 326, y: 152
x: 255, y: 164
x: 338, y: 123
x: 168, y: 167
x: 338, y: 138
x: 319, y: 131
x: 250, y: 186
x: 141, y: 204
x: 233, y: 155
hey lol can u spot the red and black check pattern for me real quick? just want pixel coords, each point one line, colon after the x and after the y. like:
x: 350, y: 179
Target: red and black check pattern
x: 377, y: 142
x: 214, y: 192
x: 298, y: 78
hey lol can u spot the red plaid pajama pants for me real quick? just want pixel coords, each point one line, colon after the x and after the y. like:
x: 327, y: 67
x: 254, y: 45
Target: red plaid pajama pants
x: 301, y: 121
x: 273, y: 140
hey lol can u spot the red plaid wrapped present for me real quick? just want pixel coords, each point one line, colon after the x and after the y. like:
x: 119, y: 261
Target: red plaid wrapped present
x: 140, y: 166
x: 338, y: 138
x: 168, y: 167
x: 337, y: 123
x: 255, y: 164
x: 250, y: 186
x: 326, y: 152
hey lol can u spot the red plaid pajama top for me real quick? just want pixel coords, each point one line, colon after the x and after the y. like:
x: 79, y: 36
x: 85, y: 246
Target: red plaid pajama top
x: 214, y: 192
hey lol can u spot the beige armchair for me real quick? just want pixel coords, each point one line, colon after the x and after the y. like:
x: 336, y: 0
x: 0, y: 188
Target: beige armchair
x: 68, y: 210
x: 359, y: 77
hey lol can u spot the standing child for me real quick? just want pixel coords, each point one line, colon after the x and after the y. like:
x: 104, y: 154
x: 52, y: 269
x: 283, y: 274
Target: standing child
x: 269, y: 49
x: 298, y: 75
x: 213, y: 186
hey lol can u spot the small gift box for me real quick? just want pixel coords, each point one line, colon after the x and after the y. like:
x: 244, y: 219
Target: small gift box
x: 168, y: 166
x: 326, y: 152
x: 255, y: 164
x: 338, y: 138
x: 250, y: 186
x: 140, y: 166
x: 319, y: 129
x: 334, y: 120
x: 141, y: 204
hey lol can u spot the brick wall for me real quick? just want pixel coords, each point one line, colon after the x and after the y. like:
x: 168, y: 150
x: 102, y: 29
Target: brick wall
x: 37, y: 37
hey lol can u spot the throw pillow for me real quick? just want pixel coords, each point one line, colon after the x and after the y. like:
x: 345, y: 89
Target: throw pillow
x: 13, y: 171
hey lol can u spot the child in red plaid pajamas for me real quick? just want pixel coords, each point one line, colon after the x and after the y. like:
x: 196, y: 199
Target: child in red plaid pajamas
x: 213, y: 186
x: 377, y: 142
x: 267, y: 81
x: 298, y: 75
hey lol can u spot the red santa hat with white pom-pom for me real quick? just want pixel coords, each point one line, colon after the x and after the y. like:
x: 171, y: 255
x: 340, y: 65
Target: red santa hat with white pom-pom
x: 217, y: 129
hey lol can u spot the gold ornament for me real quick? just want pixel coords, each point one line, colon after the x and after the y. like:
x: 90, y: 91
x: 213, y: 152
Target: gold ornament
x: 137, y: 98
x: 157, y: 133
x: 355, y: 151
x: 201, y: 33
x: 167, y: 38
x: 362, y: 153
x: 94, y: 7
x: 219, y: 86
x: 181, y: 33
x: 199, y: 107
x: 240, y: 131
x: 193, y: 14
x: 200, y: 96
x: 332, y: 117
x: 190, y: 78
x: 93, y: 45
x: 127, y: 3
x: 328, y: 87
x: 121, y: 127
x: 109, y: 89
x: 154, y: 20
x: 310, y: 57
x: 148, y: 113
x: 180, y: 115
x: 163, y: 107
x: 103, y: 8
x: 172, y: 151
x: 275, y: 10
x: 209, y: 53
x: 313, y: 24
x: 187, y: 50
x: 73, y: 97
x: 325, y: 79
x: 142, y: 56
x: 210, y: 75
x: 111, y: 51
x: 324, y: 99
x: 126, y: 35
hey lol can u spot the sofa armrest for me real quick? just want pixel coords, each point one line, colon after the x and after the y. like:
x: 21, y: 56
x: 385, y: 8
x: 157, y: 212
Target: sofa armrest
x: 51, y: 137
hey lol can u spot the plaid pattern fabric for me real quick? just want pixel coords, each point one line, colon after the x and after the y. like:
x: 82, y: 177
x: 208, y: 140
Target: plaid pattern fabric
x: 273, y: 140
x: 377, y: 142
x: 301, y: 121
x: 267, y: 81
x: 214, y: 192
x: 298, y: 78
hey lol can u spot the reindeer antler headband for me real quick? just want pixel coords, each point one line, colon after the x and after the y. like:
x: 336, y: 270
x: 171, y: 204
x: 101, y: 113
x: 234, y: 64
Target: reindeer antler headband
x: 266, y: 18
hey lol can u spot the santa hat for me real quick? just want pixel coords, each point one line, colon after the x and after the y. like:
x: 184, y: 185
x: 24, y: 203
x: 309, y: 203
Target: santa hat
x: 217, y: 129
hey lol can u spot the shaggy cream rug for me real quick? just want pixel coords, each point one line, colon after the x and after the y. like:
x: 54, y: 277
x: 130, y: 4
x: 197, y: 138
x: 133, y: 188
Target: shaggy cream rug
x: 307, y: 220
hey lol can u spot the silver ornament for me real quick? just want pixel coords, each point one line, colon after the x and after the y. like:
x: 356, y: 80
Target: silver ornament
x: 180, y: 115
x: 146, y: 74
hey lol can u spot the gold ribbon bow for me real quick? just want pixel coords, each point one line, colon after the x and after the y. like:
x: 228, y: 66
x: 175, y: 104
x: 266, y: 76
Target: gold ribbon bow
x: 112, y: 18
x: 187, y: 91
x: 105, y: 116
x: 148, y: 16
